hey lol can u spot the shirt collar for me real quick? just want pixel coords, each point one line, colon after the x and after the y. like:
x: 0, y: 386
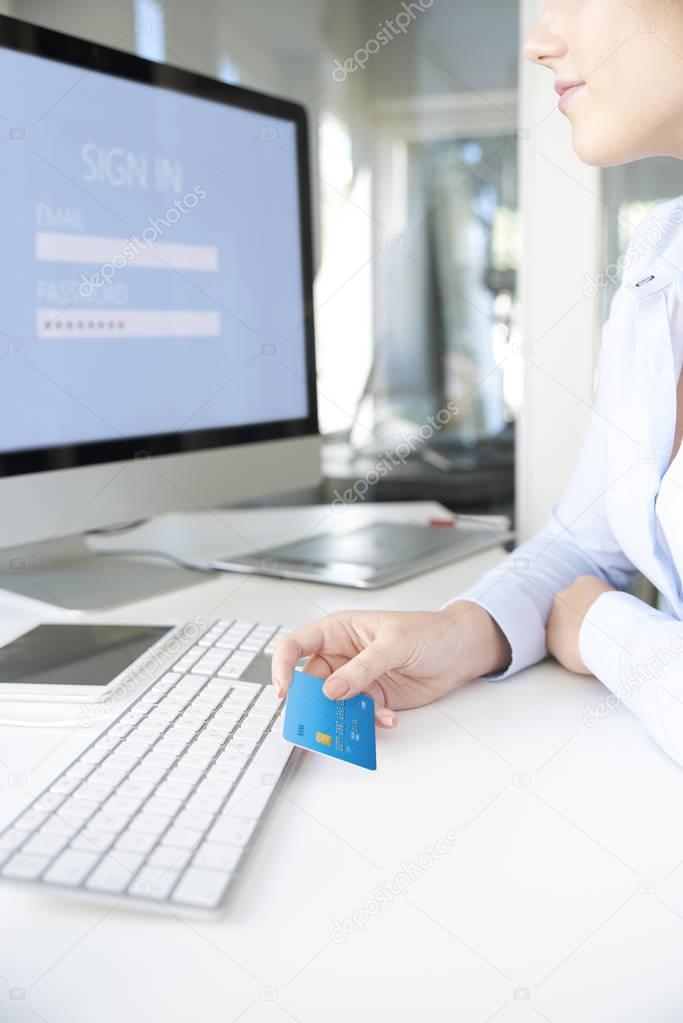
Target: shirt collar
x: 654, y: 256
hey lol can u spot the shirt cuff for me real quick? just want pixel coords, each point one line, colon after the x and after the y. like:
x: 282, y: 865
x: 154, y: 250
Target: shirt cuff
x: 604, y: 635
x: 519, y: 620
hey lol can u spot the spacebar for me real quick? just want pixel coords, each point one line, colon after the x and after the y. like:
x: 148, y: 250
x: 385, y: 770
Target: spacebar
x: 255, y: 787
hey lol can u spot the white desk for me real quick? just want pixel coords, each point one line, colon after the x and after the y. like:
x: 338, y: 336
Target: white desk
x: 559, y: 902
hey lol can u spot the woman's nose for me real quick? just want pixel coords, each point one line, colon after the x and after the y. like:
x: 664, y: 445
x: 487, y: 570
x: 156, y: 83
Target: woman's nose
x: 545, y: 43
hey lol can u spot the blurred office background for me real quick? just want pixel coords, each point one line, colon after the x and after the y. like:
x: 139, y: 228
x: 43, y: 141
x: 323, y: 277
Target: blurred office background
x: 422, y: 116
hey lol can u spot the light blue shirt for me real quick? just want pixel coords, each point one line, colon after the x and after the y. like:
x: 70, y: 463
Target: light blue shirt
x: 623, y: 507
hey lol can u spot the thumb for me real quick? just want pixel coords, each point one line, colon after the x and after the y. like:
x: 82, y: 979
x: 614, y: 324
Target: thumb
x: 360, y: 672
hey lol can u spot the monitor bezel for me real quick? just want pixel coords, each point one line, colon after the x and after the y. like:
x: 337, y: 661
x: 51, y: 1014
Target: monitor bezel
x: 42, y: 42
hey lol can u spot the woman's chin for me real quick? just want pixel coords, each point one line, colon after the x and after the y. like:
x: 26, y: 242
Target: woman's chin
x: 599, y: 150
x: 597, y: 144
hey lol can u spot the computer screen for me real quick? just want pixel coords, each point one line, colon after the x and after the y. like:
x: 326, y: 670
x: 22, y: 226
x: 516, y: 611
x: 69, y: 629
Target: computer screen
x: 152, y: 261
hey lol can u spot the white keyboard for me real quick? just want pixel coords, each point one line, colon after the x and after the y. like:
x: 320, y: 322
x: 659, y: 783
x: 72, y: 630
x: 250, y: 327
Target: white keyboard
x: 161, y: 807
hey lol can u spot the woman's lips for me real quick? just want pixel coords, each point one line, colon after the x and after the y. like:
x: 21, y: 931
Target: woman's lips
x: 566, y: 91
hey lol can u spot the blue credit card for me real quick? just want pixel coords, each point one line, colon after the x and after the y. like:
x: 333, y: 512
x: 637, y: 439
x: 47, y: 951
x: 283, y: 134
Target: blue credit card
x: 344, y: 729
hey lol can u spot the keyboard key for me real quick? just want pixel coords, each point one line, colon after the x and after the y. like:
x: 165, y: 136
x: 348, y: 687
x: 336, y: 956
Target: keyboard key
x: 123, y: 804
x: 191, y: 683
x: 56, y: 826
x: 93, y: 791
x: 48, y: 801
x: 71, y: 867
x: 25, y: 867
x: 42, y: 844
x: 269, y: 698
x: 119, y: 763
x: 168, y: 680
x: 209, y: 745
x: 157, y: 759
x: 136, y: 842
x: 181, y: 838
x: 201, y: 887
x: 260, y: 715
x: 226, y: 644
x: 31, y: 820
x: 201, y: 760
x: 111, y: 822
x: 149, y: 823
x: 209, y: 665
x: 245, y: 746
x: 76, y: 811
x: 11, y: 840
x: 92, y: 841
x: 186, y: 774
x: 225, y: 767
x: 111, y: 875
x: 231, y: 671
x: 167, y: 856
x: 135, y: 788
x: 215, y: 856
x: 148, y: 772
x: 232, y: 830
x: 95, y: 755
x: 174, y: 789
x: 233, y: 756
x: 154, y: 882
x: 240, y: 703
x: 196, y: 820
x: 218, y: 685
x: 108, y: 775
x: 242, y: 656
x: 206, y: 803
x: 250, y: 731
x: 121, y: 728
x: 173, y: 746
x: 163, y: 806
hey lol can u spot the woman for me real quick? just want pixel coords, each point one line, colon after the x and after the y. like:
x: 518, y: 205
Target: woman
x: 619, y: 73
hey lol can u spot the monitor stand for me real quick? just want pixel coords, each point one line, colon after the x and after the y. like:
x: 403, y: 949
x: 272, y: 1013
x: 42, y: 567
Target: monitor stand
x: 67, y: 573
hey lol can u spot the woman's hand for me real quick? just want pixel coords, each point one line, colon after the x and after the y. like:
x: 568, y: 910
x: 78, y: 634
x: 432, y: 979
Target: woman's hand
x: 401, y: 660
x: 570, y: 607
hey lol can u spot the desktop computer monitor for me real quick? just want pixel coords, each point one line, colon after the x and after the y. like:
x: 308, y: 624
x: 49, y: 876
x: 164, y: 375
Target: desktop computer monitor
x: 156, y: 323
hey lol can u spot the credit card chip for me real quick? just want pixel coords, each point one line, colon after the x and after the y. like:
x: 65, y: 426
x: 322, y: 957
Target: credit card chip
x: 323, y: 738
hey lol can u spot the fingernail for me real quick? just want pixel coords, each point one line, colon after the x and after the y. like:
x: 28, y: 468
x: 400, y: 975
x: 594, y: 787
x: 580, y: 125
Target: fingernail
x: 336, y: 688
x: 278, y: 688
x: 387, y: 717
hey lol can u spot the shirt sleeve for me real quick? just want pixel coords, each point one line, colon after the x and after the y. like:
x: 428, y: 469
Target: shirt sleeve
x: 577, y: 540
x: 644, y: 668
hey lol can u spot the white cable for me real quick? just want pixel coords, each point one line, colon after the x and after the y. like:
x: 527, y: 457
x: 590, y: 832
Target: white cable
x: 40, y: 724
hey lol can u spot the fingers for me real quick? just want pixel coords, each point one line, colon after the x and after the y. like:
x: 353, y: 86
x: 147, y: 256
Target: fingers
x: 318, y: 666
x: 386, y: 718
x: 303, y: 642
x: 360, y: 672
